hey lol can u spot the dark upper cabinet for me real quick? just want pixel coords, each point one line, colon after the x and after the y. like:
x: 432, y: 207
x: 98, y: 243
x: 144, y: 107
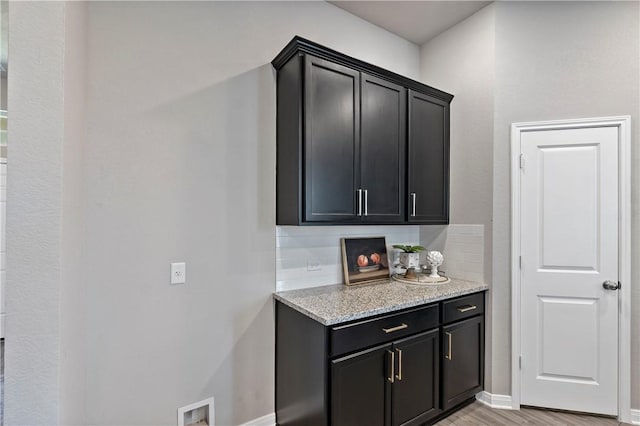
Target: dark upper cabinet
x: 382, y: 150
x: 331, y: 142
x: 428, y: 159
x: 344, y: 155
x: 463, y: 361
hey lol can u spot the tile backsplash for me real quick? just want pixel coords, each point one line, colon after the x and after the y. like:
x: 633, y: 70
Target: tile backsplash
x: 462, y: 247
x: 309, y: 256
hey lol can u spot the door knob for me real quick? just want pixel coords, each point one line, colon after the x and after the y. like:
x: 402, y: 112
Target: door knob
x: 610, y: 285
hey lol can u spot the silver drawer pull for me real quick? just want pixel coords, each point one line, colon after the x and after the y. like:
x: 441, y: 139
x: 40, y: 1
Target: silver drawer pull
x: 396, y: 328
x: 467, y: 308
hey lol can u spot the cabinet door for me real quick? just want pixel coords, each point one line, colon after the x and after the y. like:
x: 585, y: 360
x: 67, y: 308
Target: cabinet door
x: 382, y: 150
x: 359, y: 388
x: 462, y: 361
x: 331, y: 147
x: 428, y: 159
x: 415, y: 389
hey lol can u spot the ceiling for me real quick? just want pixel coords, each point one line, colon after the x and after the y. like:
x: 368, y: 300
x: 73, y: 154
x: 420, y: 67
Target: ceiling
x: 416, y: 21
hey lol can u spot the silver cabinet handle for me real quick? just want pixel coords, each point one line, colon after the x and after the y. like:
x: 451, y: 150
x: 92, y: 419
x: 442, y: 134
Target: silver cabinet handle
x: 467, y: 308
x: 413, y: 204
x: 448, y: 356
x: 366, y: 202
x: 359, y: 193
x: 399, y: 375
x: 396, y: 328
x: 391, y: 377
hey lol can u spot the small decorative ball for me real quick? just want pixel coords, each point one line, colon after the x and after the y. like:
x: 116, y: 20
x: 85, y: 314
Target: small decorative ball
x: 434, y: 258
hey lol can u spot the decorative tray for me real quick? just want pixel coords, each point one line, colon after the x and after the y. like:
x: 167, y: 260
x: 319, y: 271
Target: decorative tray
x: 421, y: 279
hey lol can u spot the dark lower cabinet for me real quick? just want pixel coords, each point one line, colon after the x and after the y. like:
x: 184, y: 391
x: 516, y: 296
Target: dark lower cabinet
x: 463, y: 361
x: 406, y: 368
x: 391, y: 384
x: 414, y: 399
x: 359, y: 388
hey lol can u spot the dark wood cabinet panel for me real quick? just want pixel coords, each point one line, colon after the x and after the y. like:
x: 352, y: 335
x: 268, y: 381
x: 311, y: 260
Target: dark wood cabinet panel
x: 415, y: 397
x: 322, y: 380
x: 354, y: 336
x: 462, y: 307
x: 382, y: 150
x: 359, y: 388
x: 344, y: 155
x: 428, y: 160
x: 289, y: 180
x: 332, y: 140
x: 463, y: 361
x: 301, y: 369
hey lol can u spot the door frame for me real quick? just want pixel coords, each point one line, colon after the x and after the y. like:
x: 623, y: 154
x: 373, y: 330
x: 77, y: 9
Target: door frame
x: 623, y: 123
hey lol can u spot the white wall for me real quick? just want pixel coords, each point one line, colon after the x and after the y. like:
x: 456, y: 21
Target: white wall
x: 3, y: 240
x: 34, y: 213
x: 461, y: 61
x: 44, y: 347
x: 180, y: 165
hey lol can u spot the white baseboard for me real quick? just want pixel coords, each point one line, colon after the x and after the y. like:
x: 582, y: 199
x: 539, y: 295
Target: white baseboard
x: 635, y: 417
x: 268, y: 420
x: 500, y: 402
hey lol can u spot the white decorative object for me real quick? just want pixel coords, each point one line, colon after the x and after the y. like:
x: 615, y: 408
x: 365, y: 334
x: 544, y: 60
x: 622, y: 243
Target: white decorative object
x: 410, y: 260
x: 434, y: 259
x: 421, y: 279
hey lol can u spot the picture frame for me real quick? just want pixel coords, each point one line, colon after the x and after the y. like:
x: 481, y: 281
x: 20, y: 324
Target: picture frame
x: 364, y: 260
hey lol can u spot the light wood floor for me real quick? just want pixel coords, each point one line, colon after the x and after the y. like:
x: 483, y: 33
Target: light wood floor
x: 478, y: 414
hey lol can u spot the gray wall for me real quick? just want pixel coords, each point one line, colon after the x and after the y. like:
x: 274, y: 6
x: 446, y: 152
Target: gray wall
x: 180, y: 165
x: 559, y: 60
x: 462, y: 62
x: 553, y: 60
x: 72, y: 291
x: 173, y: 159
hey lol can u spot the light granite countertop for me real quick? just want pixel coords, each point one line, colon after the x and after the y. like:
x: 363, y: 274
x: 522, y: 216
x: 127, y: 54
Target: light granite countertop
x: 338, y: 303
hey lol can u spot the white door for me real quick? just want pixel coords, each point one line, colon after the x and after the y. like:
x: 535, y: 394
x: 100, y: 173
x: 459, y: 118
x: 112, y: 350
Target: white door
x: 569, y: 248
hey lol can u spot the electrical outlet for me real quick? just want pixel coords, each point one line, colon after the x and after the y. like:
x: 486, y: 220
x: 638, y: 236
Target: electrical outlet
x: 314, y: 265
x: 178, y: 273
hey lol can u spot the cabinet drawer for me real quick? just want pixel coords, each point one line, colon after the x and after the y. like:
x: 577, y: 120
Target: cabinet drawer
x: 462, y: 307
x: 359, y: 335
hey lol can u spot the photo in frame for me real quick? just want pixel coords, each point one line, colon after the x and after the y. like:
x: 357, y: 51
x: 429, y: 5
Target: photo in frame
x: 364, y: 260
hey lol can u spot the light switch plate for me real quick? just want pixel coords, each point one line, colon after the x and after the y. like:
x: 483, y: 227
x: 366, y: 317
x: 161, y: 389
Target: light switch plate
x: 178, y: 273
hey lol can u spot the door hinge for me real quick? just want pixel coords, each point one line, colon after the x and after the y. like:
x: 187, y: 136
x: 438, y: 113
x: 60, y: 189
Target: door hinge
x: 520, y: 362
x: 520, y: 262
x: 522, y: 161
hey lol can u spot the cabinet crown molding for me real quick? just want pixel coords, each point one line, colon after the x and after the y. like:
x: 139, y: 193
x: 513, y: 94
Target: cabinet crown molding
x: 301, y: 45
